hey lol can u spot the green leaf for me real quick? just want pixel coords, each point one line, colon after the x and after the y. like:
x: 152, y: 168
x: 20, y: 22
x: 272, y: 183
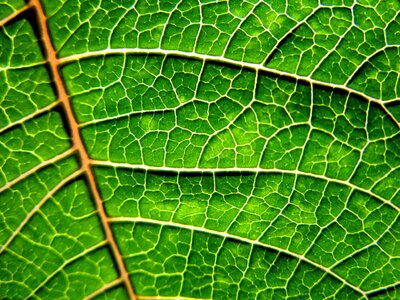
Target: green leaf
x: 199, y: 149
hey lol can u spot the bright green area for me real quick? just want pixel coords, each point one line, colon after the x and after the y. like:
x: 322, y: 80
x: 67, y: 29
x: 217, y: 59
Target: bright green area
x: 235, y: 119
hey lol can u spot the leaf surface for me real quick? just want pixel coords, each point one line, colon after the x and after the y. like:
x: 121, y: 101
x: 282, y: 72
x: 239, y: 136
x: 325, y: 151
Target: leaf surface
x: 199, y: 150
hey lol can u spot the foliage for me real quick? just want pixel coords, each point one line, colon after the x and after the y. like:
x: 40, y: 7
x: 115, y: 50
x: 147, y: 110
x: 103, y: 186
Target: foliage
x: 200, y: 149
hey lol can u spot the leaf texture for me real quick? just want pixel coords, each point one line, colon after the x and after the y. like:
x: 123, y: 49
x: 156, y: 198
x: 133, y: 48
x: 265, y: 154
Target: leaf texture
x: 199, y: 149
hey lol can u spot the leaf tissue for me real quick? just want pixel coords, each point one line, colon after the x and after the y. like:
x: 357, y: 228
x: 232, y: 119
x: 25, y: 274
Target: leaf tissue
x: 199, y: 149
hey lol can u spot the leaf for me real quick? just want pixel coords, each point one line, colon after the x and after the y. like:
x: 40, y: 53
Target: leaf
x: 198, y: 150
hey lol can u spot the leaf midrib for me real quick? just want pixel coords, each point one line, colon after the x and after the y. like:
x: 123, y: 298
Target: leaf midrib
x: 53, y: 63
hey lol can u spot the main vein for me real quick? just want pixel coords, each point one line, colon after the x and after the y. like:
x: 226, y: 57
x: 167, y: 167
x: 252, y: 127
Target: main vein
x: 54, y: 63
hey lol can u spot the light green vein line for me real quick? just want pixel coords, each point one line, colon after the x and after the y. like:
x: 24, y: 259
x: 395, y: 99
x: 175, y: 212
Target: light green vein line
x: 67, y: 262
x: 37, y: 168
x: 256, y: 67
x: 14, y: 14
x: 104, y: 288
x: 238, y: 238
x: 30, y: 116
x: 244, y: 170
x: 38, y: 206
